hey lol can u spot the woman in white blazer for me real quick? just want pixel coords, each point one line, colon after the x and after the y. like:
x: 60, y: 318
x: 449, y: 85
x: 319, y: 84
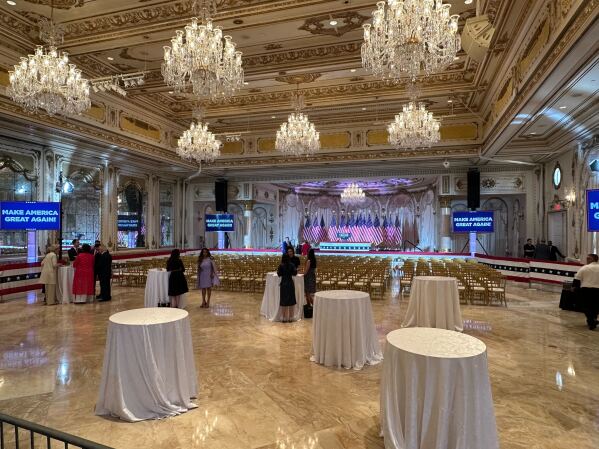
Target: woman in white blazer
x: 48, y: 275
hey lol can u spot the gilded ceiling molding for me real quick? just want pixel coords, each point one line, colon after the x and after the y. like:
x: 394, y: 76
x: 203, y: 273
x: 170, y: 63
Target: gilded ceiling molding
x: 346, y: 21
x: 58, y: 4
x: 303, y: 54
x: 11, y: 164
x: 101, y: 135
x: 351, y: 156
x: 299, y: 79
x: 15, y: 24
x: 546, y: 62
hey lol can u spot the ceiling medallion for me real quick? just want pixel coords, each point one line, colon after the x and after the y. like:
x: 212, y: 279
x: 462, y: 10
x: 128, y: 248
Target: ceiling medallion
x: 299, y: 79
x: 409, y: 37
x: 198, y: 56
x: 353, y: 194
x: 46, y: 81
x: 298, y: 136
x: 198, y: 143
x: 344, y: 22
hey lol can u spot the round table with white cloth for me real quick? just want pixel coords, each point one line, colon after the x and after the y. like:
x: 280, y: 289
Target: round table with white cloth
x: 64, y: 284
x: 435, y: 391
x: 271, y: 300
x: 156, y: 287
x: 344, y: 334
x: 434, y: 302
x: 149, y: 369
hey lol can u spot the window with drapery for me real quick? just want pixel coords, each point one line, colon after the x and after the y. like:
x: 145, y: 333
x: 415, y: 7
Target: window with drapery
x: 167, y: 212
x: 16, y: 184
x: 131, y: 220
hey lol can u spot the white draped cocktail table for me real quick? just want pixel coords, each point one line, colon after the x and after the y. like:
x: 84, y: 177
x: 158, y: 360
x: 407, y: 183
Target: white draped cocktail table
x: 149, y: 369
x: 434, y: 302
x: 435, y: 391
x: 271, y: 299
x: 156, y: 287
x: 343, y: 330
x: 64, y: 284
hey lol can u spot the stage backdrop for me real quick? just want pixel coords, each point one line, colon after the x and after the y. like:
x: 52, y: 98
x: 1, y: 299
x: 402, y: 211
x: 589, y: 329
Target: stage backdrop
x: 398, y: 220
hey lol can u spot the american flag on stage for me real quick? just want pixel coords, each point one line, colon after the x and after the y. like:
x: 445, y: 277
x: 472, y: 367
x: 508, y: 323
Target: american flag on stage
x: 378, y: 234
x: 398, y: 236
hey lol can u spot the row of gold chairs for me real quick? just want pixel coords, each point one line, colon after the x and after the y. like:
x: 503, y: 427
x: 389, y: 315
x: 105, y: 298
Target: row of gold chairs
x: 477, y: 283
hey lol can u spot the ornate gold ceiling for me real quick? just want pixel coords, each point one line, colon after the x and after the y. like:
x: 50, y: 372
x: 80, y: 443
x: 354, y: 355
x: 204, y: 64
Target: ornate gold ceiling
x: 286, y: 43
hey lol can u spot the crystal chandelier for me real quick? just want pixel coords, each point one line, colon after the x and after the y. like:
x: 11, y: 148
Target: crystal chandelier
x: 298, y: 136
x: 197, y: 143
x: 353, y: 194
x: 409, y: 37
x: 414, y: 127
x: 199, y: 56
x: 46, y: 80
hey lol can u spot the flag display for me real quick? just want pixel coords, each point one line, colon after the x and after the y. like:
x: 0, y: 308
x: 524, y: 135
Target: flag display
x: 354, y: 228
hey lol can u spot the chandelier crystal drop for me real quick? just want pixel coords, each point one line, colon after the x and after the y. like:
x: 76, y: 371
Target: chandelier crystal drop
x: 410, y: 37
x: 202, y: 57
x: 298, y: 136
x: 47, y: 81
x: 198, y: 144
x: 353, y: 194
x: 414, y: 127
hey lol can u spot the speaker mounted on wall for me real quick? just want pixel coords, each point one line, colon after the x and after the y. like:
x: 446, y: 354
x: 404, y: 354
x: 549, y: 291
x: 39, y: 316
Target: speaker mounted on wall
x: 220, y: 195
x: 473, y: 188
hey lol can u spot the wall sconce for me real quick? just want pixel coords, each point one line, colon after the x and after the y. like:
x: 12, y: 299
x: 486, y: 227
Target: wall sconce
x: 571, y: 197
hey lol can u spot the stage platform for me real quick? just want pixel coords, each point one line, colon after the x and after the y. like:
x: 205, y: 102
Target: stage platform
x: 388, y: 254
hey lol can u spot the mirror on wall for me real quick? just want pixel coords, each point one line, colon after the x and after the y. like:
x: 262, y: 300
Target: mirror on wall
x: 167, y: 212
x: 131, y: 220
x: 81, y: 208
x: 16, y: 184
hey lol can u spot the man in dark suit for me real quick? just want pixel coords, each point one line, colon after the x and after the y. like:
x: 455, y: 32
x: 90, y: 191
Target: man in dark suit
x: 103, y: 268
x: 542, y: 251
x: 554, y: 251
x: 529, y: 249
x: 73, y: 250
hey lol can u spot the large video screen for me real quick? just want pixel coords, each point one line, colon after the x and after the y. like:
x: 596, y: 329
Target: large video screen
x: 127, y: 223
x: 473, y: 221
x: 29, y: 216
x: 220, y: 223
x: 593, y: 210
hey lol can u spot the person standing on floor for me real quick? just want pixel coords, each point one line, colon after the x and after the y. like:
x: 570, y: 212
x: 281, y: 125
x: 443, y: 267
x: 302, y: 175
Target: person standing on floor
x: 305, y: 248
x: 310, y: 278
x: 104, y: 272
x: 73, y: 250
x: 529, y: 249
x: 207, y: 276
x: 84, y: 284
x: 177, y: 284
x: 292, y: 257
x: 554, y: 251
x: 48, y: 275
x: 542, y: 251
x: 589, y: 283
x: 286, y: 271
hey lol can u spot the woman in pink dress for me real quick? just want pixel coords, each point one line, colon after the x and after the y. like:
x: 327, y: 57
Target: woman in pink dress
x: 83, y: 280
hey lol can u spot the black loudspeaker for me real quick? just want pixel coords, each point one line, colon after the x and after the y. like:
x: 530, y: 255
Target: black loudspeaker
x: 220, y: 194
x: 473, y: 189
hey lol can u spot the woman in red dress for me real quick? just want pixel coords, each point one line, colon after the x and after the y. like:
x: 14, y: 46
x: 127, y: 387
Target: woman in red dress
x: 84, y: 285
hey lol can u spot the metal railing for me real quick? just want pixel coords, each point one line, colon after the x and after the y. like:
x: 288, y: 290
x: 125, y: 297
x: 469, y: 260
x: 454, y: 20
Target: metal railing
x: 16, y: 433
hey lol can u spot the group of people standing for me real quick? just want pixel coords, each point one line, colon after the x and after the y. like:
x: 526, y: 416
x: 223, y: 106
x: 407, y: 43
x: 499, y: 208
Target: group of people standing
x: 207, y: 275
x: 288, y: 268
x: 89, y: 265
x: 542, y: 250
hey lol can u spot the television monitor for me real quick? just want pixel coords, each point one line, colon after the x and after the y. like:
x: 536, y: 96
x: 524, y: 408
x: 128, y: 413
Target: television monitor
x: 29, y: 216
x: 473, y: 221
x: 220, y: 223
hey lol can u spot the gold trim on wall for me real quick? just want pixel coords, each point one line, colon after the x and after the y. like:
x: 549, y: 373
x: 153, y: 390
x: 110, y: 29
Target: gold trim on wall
x: 465, y: 131
x: 232, y: 148
x: 139, y: 127
x: 4, y: 79
x: 336, y: 140
x: 541, y: 37
x: 266, y: 145
x: 97, y: 111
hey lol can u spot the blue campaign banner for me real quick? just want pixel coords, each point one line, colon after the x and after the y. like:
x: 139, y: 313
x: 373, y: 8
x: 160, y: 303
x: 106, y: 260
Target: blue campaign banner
x: 220, y: 223
x: 593, y: 210
x: 29, y: 216
x: 127, y: 223
x: 473, y: 221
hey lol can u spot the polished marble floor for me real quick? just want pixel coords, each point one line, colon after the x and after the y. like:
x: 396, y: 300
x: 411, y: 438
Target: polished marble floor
x: 258, y: 389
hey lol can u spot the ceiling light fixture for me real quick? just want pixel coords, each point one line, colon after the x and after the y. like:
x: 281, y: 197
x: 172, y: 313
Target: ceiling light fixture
x: 298, y: 136
x: 409, y: 37
x: 468, y: 2
x: 110, y: 58
x: 202, y: 57
x: 353, y: 194
x: 333, y: 23
x: 563, y: 107
x: 46, y: 80
x: 11, y: 2
x: 352, y: 70
x: 198, y: 143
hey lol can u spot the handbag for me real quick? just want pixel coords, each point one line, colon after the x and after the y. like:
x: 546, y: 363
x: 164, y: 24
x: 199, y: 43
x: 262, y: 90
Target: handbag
x: 308, y: 311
